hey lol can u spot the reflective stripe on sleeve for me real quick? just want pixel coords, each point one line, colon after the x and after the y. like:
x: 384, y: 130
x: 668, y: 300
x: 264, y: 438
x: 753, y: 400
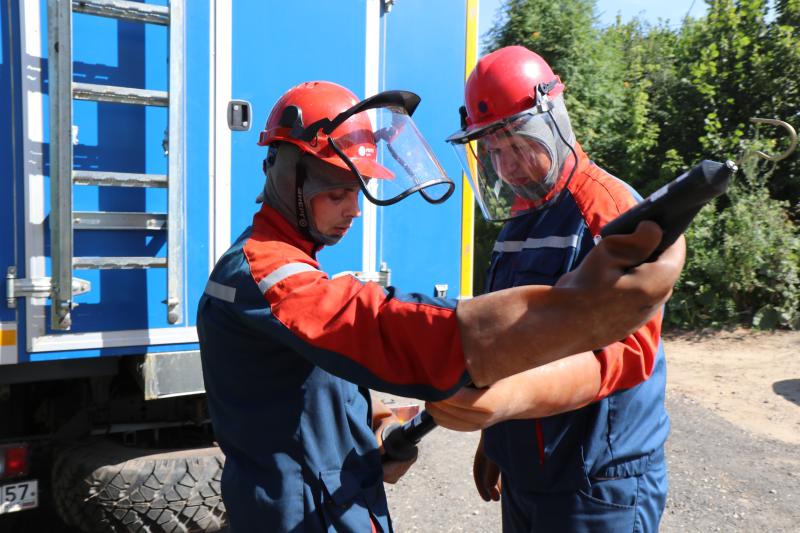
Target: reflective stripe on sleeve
x: 570, y: 241
x: 223, y: 292
x: 282, y: 273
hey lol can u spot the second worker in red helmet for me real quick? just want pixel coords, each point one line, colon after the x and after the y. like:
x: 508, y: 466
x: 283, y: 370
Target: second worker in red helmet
x: 579, y: 443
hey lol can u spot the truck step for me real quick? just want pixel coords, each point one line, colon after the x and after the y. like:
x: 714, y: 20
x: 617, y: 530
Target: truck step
x: 117, y: 263
x: 118, y: 179
x: 119, y: 95
x: 123, y: 10
x: 118, y: 220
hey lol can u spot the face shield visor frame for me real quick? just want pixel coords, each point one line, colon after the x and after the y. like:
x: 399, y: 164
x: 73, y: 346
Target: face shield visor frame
x: 516, y: 168
x: 379, y: 142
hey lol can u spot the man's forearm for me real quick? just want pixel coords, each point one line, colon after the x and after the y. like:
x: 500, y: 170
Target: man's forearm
x: 526, y: 327
x: 605, y: 299
x: 558, y: 387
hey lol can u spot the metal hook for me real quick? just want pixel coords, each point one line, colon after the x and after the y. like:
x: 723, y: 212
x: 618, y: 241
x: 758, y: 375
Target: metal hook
x: 792, y: 135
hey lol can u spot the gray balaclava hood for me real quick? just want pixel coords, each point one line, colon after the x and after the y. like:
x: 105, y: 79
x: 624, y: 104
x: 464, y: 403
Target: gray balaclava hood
x: 550, y: 136
x: 282, y: 166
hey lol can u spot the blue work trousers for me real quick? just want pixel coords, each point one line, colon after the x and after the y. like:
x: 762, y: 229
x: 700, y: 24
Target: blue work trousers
x: 629, y: 504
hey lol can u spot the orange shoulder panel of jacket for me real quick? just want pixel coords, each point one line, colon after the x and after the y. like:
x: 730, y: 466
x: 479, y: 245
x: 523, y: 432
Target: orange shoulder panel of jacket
x: 600, y: 197
x: 266, y: 256
x: 401, y: 342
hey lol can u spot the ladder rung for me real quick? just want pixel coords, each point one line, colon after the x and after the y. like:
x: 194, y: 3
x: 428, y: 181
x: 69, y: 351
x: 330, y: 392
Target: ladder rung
x: 109, y: 263
x: 118, y: 179
x: 123, y: 10
x: 119, y: 95
x: 118, y: 220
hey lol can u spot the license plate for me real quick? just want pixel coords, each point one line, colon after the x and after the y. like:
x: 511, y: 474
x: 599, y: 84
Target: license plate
x: 19, y: 496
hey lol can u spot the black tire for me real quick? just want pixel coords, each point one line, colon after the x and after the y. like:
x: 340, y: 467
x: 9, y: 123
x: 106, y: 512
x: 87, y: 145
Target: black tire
x: 102, y: 486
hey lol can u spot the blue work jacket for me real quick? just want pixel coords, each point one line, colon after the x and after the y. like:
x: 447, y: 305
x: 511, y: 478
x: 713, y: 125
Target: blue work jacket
x: 288, y: 356
x: 621, y: 433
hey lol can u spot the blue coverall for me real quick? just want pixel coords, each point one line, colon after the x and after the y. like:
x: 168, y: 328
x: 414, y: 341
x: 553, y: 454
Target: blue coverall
x: 287, y: 357
x: 600, y: 468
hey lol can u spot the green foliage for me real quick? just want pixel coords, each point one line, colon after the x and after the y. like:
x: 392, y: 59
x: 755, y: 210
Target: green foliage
x: 485, y: 235
x: 647, y: 102
x: 742, y: 267
x: 782, y: 69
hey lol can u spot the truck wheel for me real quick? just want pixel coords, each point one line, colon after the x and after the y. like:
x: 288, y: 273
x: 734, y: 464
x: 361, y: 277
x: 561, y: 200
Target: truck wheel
x: 102, y: 486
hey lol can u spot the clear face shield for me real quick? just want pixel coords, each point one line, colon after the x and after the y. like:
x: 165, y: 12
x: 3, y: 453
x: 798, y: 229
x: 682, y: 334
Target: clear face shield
x: 516, y: 165
x: 378, y: 141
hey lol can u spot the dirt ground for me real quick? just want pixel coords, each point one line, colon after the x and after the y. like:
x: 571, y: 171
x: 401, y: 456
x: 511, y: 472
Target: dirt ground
x: 734, y: 462
x: 750, y: 379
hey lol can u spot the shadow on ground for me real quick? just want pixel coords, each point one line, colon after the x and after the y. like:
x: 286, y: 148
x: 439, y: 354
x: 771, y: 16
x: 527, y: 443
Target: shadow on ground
x: 789, y: 389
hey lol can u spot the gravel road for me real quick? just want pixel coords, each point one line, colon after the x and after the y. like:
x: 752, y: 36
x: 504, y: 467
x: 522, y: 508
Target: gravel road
x: 733, y: 453
x: 722, y: 478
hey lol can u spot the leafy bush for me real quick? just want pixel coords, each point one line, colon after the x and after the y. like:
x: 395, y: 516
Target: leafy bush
x: 648, y: 102
x: 742, y: 265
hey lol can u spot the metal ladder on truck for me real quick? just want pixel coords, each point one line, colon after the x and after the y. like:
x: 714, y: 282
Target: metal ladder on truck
x: 63, y: 220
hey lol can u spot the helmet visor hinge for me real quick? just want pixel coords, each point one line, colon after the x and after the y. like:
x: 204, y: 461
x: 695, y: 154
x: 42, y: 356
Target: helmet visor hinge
x: 292, y: 117
x: 462, y: 111
x: 545, y: 88
x: 543, y: 102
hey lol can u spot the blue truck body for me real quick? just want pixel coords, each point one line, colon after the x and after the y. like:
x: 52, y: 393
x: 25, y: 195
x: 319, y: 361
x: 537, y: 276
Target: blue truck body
x: 245, y: 49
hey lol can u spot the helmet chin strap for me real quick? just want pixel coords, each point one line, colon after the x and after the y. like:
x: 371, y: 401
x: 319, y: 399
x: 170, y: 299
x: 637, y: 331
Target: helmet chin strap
x: 300, y: 205
x: 284, y: 187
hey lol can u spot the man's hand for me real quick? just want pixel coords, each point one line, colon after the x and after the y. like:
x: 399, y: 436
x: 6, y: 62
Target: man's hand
x: 610, y: 295
x: 472, y: 409
x: 382, y: 418
x: 614, y: 270
x: 486, y: 475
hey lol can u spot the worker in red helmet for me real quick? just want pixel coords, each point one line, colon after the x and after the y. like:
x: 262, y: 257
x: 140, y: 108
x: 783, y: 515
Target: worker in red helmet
x: 577, y: 443
x: 289, y: 353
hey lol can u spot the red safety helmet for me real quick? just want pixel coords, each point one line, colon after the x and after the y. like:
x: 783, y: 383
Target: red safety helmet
x: 516, y: 117
x: 504, y: 83
x: 328, y: 121
x: 315, y: 101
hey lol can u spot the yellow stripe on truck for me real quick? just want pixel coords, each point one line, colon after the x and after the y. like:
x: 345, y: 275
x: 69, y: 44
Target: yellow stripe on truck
x: 467, y: 199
